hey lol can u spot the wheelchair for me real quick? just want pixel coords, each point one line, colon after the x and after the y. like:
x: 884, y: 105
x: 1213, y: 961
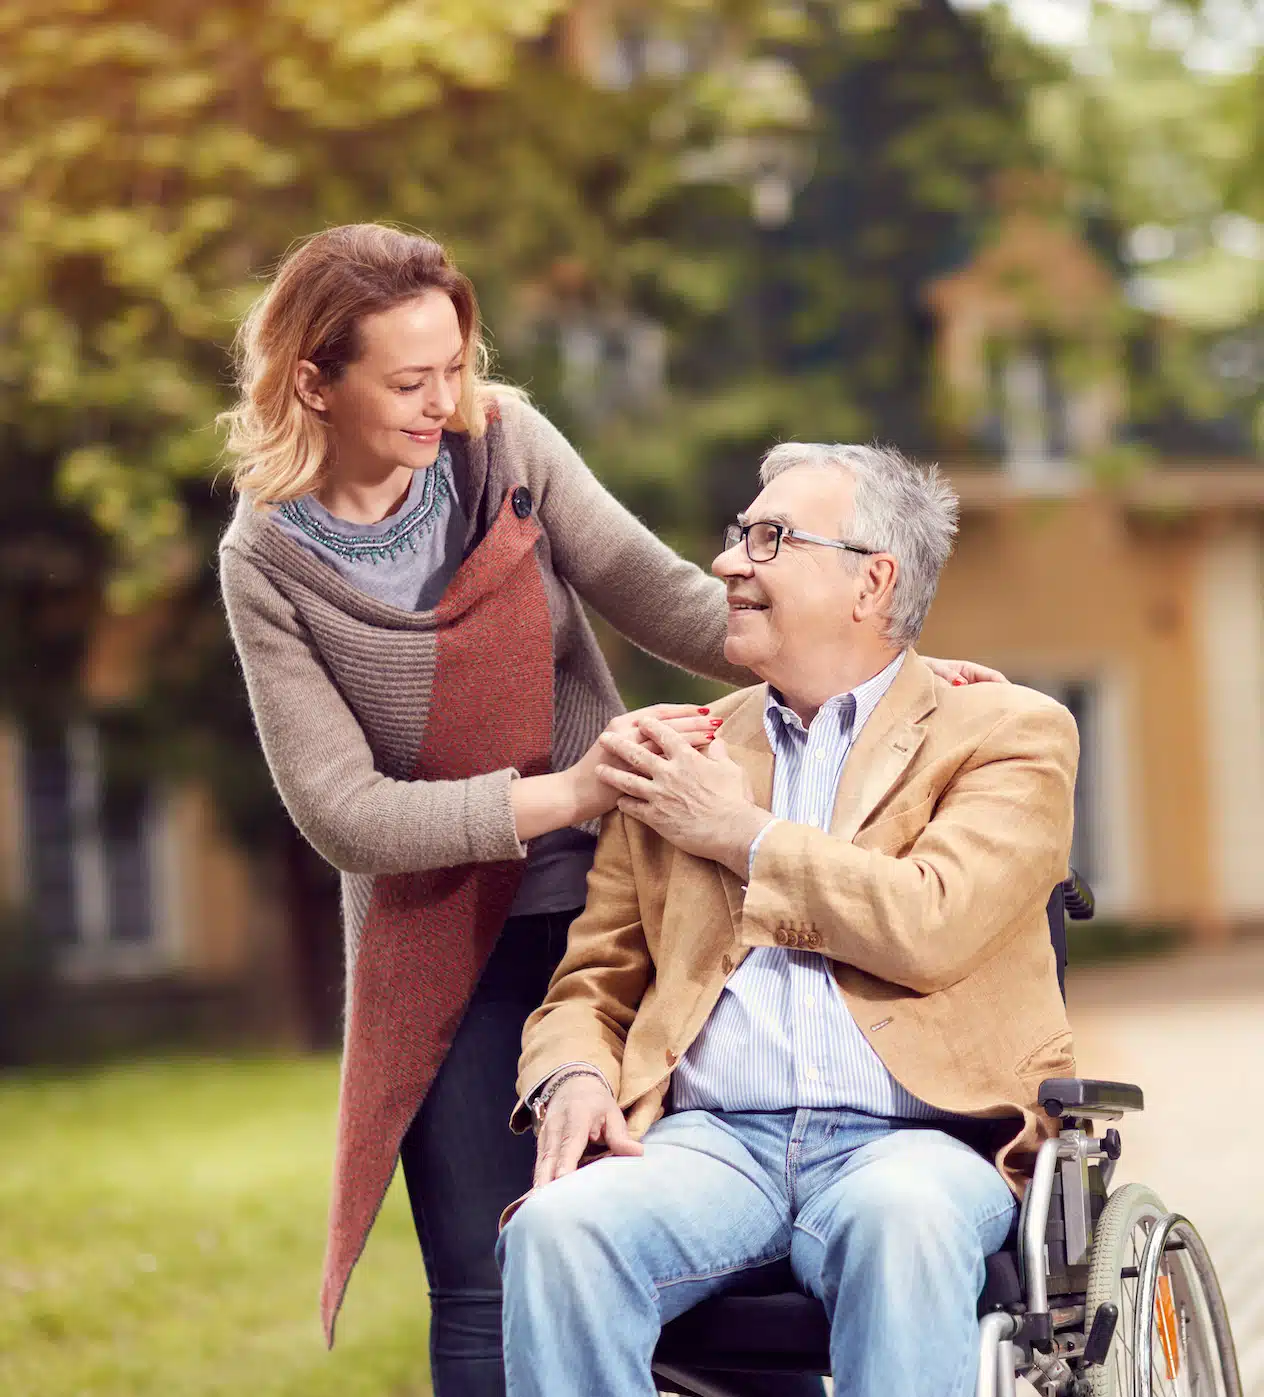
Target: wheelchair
x: 1097, y: 1293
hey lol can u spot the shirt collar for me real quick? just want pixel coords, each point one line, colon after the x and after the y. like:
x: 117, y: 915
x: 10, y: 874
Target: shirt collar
x: 853, y: 708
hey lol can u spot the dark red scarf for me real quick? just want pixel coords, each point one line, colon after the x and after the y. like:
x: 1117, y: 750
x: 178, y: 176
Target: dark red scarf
x: 427, y: 936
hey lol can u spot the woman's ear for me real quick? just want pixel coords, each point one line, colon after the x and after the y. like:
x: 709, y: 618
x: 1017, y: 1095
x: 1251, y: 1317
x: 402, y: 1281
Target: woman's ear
x: 310, y: 385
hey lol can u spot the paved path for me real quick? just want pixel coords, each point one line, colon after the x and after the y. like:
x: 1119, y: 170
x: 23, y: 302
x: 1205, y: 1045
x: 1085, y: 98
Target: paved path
x: 1189, y: 1029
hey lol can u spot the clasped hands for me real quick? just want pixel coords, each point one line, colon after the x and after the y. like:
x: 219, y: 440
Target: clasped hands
x: 699, y: 800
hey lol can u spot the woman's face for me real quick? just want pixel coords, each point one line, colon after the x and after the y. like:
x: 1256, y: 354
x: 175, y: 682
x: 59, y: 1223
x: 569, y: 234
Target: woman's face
x: 388, y: 408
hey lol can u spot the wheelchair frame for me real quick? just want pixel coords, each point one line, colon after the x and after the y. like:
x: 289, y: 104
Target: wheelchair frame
x: 1053, y: 1344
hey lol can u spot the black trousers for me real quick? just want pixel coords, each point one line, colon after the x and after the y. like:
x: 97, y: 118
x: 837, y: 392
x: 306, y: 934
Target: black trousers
x: 463, y: 1165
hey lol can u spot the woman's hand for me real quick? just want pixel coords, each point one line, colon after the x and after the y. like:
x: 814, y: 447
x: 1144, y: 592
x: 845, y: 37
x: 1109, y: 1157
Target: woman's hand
x: 965, y: 672
x: 592, y: 796
x: 701, y: 802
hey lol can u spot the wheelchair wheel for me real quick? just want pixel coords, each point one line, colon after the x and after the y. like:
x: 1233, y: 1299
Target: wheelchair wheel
x: 1191, y: 1346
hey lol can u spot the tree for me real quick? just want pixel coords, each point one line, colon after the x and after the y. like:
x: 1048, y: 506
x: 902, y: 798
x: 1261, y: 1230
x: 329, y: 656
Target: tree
x: 159, y: 158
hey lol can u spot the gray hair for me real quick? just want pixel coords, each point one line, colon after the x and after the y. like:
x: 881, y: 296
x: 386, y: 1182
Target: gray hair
x: 906, y: 510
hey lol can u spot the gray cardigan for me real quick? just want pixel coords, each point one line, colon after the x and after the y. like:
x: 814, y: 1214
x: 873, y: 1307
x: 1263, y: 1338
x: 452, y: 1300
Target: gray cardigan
x: 339, y: 682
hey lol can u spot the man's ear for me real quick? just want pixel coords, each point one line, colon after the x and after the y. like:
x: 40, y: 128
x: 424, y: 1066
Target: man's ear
x: 310, y: 385
x: 877, y: 586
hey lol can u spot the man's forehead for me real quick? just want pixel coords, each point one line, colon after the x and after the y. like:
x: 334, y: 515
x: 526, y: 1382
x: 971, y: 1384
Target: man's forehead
x: 800, y: 494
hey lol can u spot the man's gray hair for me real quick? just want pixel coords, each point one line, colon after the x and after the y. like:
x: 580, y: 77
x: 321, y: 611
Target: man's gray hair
x: 906, y: 510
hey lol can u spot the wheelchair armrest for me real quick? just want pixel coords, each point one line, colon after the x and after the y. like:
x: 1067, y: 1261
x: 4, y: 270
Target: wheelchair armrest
x: 1082, y: 1096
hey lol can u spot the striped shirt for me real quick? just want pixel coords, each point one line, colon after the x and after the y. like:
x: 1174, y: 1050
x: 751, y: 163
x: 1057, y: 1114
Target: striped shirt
x: 781, y: 1036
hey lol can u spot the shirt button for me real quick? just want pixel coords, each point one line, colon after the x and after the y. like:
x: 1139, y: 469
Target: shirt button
x: 820, y: 756
x: 809, y: 1001
x: 813, y: 1074
x: 727, y: 965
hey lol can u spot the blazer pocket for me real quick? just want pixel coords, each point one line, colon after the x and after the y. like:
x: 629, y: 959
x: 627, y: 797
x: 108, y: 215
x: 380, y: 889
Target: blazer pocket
x: 1051, y: 1057
x: 898, y: 831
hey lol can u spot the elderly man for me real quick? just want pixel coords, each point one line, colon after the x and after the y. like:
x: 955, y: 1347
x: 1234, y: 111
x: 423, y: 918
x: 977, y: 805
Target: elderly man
x: 820, y: 948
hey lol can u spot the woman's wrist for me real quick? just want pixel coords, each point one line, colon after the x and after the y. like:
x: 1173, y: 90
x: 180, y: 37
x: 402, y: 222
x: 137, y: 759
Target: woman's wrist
x: 542, y: 804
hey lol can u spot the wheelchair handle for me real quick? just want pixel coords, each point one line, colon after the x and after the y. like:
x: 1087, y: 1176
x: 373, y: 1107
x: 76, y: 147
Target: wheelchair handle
x: 1077, y: 898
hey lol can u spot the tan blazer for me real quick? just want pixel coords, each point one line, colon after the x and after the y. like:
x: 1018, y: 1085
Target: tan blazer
x: 951, y: 826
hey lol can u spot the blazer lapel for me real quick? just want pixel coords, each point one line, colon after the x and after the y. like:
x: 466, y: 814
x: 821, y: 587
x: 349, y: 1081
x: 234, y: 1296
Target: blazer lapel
x: 747, y: 743
x: 887, y: 745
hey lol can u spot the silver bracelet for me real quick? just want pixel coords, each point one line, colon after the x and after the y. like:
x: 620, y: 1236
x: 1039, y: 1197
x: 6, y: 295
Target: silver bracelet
x: 547, y: 1090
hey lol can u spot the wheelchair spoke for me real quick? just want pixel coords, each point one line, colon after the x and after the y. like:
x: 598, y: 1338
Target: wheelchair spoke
x: 1190, y: 1347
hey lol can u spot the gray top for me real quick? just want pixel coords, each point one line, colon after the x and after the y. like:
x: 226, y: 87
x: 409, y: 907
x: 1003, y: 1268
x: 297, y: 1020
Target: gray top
x: 407, y: 560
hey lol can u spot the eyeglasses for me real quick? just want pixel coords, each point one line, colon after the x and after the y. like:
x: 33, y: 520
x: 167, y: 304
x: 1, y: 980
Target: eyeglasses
x: 763, y: 539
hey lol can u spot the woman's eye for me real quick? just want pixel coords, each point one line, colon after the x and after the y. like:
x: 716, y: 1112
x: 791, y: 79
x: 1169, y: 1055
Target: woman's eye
x: 409, y: 387
x: 456, y: 369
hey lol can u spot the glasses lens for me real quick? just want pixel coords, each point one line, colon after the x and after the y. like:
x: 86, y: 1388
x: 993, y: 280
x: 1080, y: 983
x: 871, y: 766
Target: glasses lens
x: 732, y: 536
x: 761, y: 542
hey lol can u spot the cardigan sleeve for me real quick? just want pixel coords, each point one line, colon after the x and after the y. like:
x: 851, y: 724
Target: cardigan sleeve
x: 321, y: 762
x: 661, y: 602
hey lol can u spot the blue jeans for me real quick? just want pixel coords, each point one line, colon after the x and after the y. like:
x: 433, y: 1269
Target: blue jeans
x: 462, y: 1165
x: 888, y: 1224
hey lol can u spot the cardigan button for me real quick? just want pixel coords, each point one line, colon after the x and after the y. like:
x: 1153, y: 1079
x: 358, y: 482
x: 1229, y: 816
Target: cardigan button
x: 521, y: 501
x: 780, y: 937
x: 814, y: 939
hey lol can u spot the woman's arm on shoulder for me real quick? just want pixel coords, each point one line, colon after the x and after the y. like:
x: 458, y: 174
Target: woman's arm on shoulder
x: 358, y: 819
x: 663, y: 603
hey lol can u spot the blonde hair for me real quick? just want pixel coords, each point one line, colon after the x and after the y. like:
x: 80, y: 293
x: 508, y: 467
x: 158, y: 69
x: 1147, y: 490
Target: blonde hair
x: 323, y: 288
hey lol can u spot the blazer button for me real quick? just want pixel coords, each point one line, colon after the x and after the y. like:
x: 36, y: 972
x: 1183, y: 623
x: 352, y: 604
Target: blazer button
x: 727, y: 965
x: 671, y: 1058
x: 521, y: 501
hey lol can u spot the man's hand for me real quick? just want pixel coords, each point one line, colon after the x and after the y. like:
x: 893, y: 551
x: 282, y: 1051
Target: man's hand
x: 581, y: 1112
x: 591, y: 797
x: 700, y: 801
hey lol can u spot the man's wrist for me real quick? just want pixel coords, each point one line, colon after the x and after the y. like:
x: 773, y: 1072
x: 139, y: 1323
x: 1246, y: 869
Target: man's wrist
x: 538, y: 1099
x: 745, y: 828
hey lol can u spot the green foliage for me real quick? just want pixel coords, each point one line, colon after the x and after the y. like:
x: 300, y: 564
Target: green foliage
x: 159, y: 158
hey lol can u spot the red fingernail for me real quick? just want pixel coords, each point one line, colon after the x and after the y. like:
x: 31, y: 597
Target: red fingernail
x: 715, y: 722
x: 704, y: 710
x: 710, y: 737
x: 958, y: 680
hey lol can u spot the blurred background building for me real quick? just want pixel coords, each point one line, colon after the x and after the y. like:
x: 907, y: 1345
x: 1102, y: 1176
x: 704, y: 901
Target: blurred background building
x: 1034, y: 253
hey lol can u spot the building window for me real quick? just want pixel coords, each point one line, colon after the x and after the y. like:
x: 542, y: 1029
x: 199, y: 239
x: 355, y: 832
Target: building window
x: 612, y: 362
x: 1029, y: 411
x: 89, y: 845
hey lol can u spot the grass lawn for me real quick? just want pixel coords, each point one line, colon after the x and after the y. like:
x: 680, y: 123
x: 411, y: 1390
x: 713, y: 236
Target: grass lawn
x: 161, y: 1233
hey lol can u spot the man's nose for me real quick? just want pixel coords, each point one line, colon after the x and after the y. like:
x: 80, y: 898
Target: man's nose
x: 733, y: 562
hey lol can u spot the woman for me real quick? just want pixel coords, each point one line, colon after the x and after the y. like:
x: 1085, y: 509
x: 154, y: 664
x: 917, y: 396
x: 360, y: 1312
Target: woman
x: 403, y: 577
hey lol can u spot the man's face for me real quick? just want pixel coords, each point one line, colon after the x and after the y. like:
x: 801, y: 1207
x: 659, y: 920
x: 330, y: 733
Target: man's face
x: 782, y: 613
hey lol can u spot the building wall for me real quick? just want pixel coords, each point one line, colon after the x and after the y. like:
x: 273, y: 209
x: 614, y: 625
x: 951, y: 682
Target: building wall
x: 10, y: 818
x: 1082, y: 590
x: 1230, y: 599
